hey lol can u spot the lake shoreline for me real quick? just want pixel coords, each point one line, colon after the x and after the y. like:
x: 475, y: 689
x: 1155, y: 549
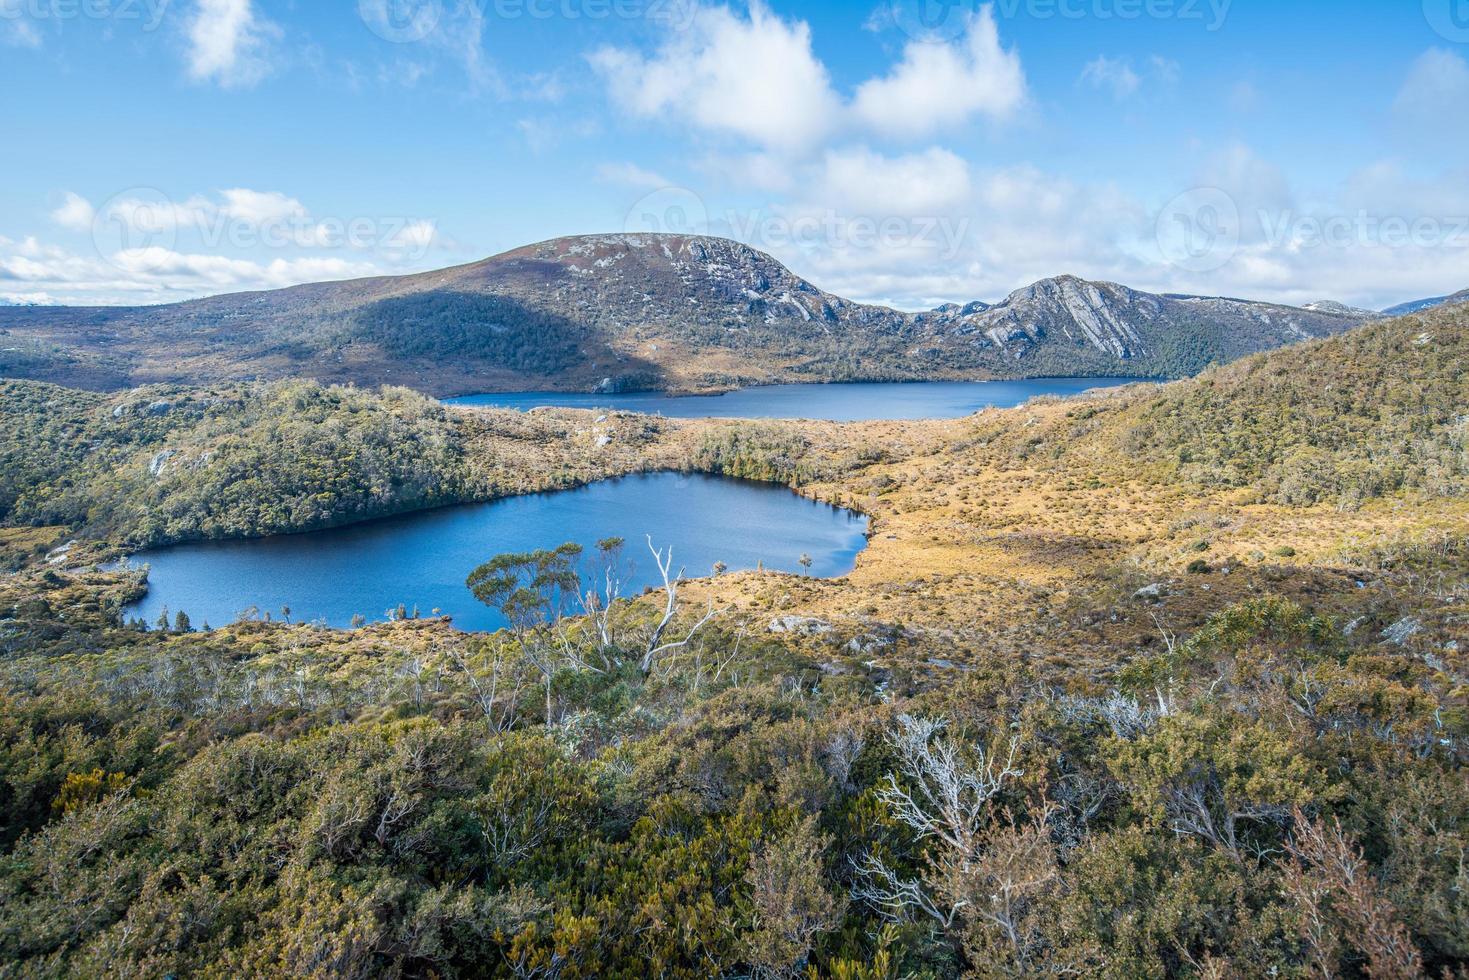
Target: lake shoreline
x: 422, y: 557
x: 829, y: 401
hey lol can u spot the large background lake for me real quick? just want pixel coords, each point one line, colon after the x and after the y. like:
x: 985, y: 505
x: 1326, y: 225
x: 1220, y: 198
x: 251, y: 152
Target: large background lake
x: 837, y: 402
x: 422, y: 559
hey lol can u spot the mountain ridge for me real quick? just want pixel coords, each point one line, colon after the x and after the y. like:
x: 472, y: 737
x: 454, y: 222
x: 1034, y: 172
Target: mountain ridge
x: 649, y: 311
x: 1420, y: 305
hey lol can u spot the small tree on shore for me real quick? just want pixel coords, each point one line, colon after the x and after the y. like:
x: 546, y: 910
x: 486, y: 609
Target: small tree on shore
x: 532, y: 590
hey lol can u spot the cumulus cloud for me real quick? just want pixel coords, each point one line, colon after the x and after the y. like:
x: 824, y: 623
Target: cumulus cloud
x: 1256, y: 185
x: 1381, y: 237
x: 147, y: 247
x: 1438, y: 83
x: 260, y: 207
x: 929, y: 183
x: 415, y: 236
x: 76, y: 213
x: 159, y: 274
x: 938, y: 85
x: 755, y: 78
x: 229, y: 43
x: 1115, y: 75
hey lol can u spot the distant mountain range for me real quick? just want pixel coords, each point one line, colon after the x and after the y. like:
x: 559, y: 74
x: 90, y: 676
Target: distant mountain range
x: 640, y: 311
x: 1418, y: 306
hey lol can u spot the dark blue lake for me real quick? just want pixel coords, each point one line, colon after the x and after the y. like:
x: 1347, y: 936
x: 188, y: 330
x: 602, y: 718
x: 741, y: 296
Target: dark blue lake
x: 422, y: 559
x: 837, y: 402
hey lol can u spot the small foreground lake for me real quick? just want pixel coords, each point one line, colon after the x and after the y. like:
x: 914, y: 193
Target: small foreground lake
x: 422, y: 559
x: 836, y: 402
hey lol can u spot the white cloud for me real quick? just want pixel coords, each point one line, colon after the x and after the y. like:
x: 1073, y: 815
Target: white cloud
x: 631, y: 175
x: 1116, y: 75
x: 27, y: 299
x: 755, y: 78
x: 229, y: 43
x: 759, y: 171
x: 1254, y: 183
x: 166, y: 265
x: 415, y: 236
x: 146, y: 246
x: 1165, y: 70
x: 1438, y: 83
x: 938, y: 85
x: 462, y: 38
x: 260, y: 207
x: 929, y: 183
x: 158, y: 274
x: 76, y: 213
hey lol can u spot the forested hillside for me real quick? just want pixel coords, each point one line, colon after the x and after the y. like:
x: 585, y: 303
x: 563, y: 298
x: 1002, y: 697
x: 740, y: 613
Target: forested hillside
x: 168, y: 464
x: 1376, y: 410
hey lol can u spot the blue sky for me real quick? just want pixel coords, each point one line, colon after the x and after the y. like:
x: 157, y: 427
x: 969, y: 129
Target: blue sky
x: 912, y: 152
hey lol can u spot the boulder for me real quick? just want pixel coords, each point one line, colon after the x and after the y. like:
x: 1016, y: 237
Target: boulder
x: 1402, y: 631
x: 800, y: 626
x: 160, y: 461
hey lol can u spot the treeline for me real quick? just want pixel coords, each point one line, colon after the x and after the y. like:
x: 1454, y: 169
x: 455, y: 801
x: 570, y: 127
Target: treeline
x: 778, y: 452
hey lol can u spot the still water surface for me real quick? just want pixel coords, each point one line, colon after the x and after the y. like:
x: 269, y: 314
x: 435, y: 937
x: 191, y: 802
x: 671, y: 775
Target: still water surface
x: 837, y: 402
x: 422, y: 559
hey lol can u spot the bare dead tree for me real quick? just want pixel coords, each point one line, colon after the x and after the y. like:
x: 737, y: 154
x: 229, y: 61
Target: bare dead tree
x: 498, y: 706
x: 656, y: 646
x: 945, y: 795
x: 1170, y: 640
x: 598, y: 602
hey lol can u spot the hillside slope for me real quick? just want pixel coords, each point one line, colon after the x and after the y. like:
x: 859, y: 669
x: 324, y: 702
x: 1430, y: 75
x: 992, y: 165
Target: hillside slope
x: 1383, y: 408
x: 636, y: 311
